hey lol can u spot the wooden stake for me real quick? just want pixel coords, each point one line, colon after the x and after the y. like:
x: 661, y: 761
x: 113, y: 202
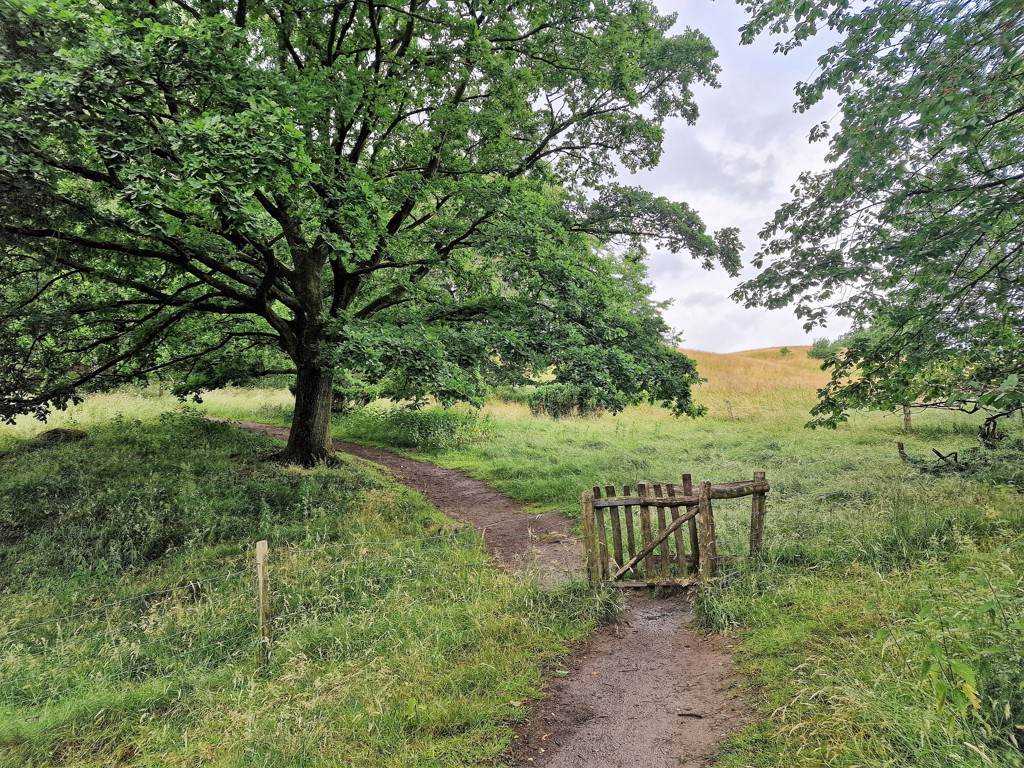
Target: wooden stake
x: 706, y: 527
x: 663, y: 559
x: 757, y: 512
x: 645, y: 528
x: 678, y: 537
x: 694, y: 541
x: 263, y: 605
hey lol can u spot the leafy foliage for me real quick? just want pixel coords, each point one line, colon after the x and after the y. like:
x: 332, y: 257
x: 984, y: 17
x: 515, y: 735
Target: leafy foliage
x: 212, y: 191
x: 822, y: 348
x: 915, y: 228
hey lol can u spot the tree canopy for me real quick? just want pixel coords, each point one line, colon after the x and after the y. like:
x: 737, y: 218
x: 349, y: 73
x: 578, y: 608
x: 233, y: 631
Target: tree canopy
x: 915, y: 229
x: 420, y: 192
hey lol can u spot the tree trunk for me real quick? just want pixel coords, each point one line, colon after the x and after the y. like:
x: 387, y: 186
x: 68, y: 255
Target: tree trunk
x: 310, y: 440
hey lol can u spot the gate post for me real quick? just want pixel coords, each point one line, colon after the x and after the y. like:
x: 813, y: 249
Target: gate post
x: 694, y: 538
x: 706, y: 533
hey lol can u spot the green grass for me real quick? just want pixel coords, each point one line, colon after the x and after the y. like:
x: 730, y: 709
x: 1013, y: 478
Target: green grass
x: 396, y: 643
x: 883, y: 627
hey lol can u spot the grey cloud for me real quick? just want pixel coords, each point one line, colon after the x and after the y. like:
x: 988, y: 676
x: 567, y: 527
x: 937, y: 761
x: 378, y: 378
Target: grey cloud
x: 735, y: 167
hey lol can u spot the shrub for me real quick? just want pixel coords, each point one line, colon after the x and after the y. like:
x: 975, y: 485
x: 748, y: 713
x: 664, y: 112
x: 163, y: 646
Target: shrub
x: 561, y: 400
x: 822, y: 348
x: 513, y: 394
x: 424, y: 429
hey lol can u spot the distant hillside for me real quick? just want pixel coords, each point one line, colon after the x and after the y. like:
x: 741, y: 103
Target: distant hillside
x: 758, y: 380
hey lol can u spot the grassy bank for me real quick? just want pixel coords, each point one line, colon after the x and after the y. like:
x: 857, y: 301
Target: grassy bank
x: 127, y: 608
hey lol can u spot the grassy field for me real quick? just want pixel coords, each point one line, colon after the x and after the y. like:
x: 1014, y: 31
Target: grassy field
x: 883, y: 628
x: 127, y: 608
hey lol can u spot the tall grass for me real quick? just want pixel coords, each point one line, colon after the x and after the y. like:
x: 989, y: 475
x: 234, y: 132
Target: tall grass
x: 758, y: 384
x: 127, y: 609
x: 882, y: 627
x: 425, y: 429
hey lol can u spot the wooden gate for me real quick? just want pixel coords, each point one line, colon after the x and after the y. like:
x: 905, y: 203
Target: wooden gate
x: 664, y: 534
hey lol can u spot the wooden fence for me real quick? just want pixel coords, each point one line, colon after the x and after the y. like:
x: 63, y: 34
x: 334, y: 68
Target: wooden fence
x: 664, y: 534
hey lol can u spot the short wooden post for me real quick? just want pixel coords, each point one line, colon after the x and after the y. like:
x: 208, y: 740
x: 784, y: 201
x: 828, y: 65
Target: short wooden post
x: 662, y: 558
x: 757, y: 513
x: 263, y: 605
x: 694, y: 539
x: 906, y: 419
x: 706, y: 525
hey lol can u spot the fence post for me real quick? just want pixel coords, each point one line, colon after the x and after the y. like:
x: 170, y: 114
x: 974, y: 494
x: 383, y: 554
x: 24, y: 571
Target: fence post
x: 694, y: 538
x: 757, y: 512
x: 263, y: 606
x: 706, y: 524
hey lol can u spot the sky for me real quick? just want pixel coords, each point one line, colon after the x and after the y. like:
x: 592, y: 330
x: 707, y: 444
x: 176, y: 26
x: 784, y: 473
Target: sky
x: 735, y: 167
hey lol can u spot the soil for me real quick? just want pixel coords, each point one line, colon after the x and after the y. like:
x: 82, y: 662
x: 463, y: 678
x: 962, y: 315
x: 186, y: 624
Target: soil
x: 647, y: 690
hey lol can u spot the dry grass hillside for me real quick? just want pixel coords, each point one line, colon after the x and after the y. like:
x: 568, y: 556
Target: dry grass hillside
x: 758, y: 382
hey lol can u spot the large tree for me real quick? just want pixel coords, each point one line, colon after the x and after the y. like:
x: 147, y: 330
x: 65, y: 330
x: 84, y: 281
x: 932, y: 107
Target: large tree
x: 215, y: 189
x: 916, y: 229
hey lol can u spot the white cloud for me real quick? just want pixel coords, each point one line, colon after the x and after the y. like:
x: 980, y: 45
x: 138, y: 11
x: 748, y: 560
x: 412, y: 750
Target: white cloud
x: 735, y: 167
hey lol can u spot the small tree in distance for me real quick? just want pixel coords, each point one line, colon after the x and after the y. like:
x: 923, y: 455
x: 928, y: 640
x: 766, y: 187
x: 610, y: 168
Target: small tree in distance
x: 210, y: 191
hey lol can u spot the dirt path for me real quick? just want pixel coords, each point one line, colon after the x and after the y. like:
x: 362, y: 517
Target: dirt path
x: 541, y: 544
x: 645, y: 691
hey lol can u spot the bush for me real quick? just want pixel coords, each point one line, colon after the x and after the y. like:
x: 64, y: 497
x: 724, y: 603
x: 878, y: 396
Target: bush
x: 512, y: 394
x: 822, y: 348
x: 424, y: 429
x: 561, y: 400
